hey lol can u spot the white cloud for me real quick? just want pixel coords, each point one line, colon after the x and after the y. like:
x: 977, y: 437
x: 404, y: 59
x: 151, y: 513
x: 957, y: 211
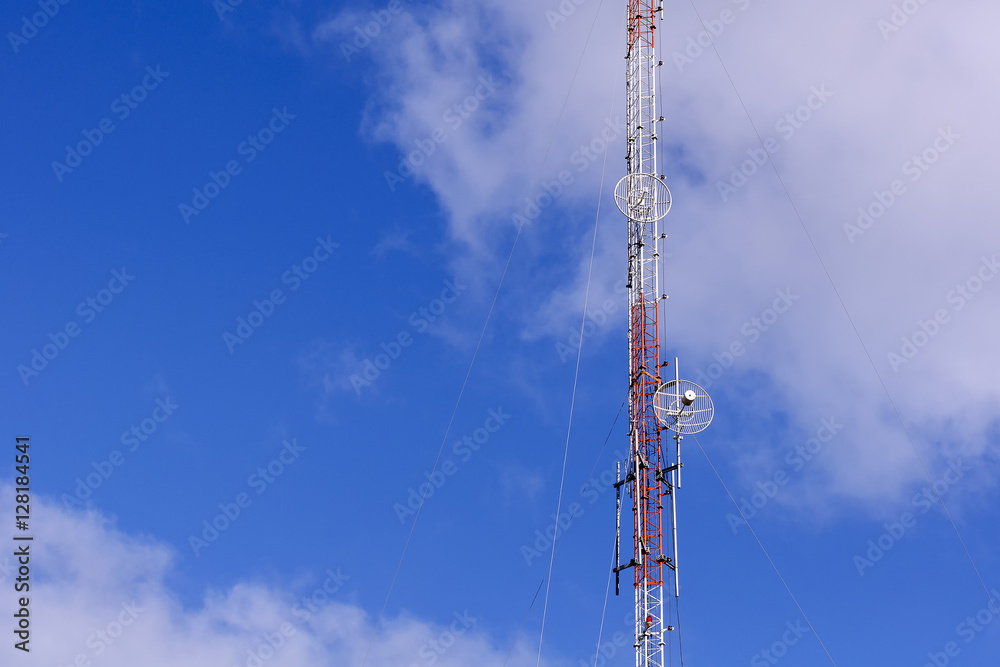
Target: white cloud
x: 890, y: 99
x: 99, y: 593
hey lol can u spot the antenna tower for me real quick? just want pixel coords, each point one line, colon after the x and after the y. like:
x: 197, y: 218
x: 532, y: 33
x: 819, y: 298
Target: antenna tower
x: 651, y: 476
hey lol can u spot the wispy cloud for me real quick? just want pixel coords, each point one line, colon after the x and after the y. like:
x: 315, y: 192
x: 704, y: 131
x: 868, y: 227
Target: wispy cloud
x: 730, y: 254
x: 103, y: 594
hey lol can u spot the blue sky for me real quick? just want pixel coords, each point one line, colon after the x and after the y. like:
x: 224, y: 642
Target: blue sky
x: 355, y: 208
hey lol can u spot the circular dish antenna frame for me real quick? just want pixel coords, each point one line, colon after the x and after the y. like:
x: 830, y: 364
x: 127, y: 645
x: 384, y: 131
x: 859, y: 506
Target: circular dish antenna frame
x: 683, y: 407
x: 643, y: 197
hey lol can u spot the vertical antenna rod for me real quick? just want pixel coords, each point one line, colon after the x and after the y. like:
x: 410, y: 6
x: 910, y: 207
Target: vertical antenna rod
x: 618, y: 519
x: 677, y: 484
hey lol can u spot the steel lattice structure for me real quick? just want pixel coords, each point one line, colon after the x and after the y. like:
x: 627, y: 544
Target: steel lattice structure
x: 644, y: 200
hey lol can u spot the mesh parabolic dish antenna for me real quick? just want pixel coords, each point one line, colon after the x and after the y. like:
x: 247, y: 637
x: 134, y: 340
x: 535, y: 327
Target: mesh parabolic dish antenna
x: 642, y: 197
x: 683, y: 406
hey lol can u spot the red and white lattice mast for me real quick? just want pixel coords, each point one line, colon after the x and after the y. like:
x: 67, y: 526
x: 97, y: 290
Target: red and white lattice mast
x: 652, y: 475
